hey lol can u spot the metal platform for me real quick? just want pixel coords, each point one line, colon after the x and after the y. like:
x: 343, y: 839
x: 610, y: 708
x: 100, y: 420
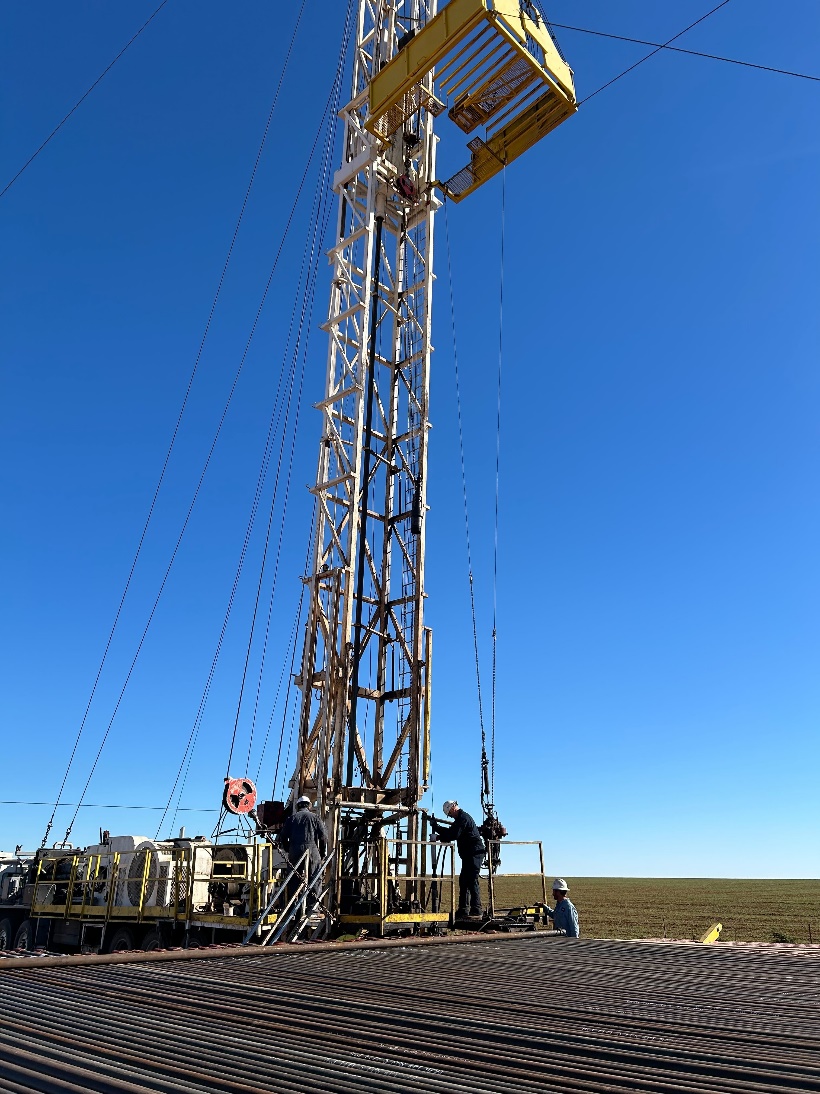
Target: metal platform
x: 495, y: 64
x: 496, y: 1016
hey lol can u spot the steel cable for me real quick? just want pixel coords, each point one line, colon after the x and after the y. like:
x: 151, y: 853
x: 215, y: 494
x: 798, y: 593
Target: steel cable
x: 466, y: 508
x: 689, y: 52
x: 81, y: 100
x: 631, y: 68
x: 497, y: 479
x: 266, y: 455
x: 167, y: 459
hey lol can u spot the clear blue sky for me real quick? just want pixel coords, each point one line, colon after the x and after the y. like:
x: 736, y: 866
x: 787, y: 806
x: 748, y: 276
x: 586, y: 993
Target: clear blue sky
x: 658, y: 649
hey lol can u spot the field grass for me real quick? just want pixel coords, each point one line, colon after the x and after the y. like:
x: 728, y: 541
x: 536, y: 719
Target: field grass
x: 750, y: 911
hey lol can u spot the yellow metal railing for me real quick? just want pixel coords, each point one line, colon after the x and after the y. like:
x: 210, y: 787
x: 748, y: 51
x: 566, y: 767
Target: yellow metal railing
x: 382, y: 886
x: 491, y: 875
x: 169, y: 883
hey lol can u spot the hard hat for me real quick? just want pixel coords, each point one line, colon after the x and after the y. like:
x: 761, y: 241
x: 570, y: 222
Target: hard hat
x: 304, y: 800
x: 447, y: 807
x: 560, y: 885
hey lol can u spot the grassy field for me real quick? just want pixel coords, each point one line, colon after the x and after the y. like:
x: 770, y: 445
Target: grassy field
x: 750, y: 911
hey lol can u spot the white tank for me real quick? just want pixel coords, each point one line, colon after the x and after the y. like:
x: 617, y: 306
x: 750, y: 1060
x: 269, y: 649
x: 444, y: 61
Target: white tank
x: 133, y: 852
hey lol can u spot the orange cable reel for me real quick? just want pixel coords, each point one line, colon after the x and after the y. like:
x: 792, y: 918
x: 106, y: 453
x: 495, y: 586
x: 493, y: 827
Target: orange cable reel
x: 239, y: 796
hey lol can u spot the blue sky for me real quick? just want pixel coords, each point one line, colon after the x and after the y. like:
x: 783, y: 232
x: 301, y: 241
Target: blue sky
x: 658, y: 643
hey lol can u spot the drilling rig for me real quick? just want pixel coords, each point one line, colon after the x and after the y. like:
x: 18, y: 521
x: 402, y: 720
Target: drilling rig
x: 488, y: 70
x: 364, y: 728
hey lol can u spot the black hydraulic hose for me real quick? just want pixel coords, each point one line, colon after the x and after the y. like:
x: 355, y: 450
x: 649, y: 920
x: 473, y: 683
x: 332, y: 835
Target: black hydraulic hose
x: 368, y: 438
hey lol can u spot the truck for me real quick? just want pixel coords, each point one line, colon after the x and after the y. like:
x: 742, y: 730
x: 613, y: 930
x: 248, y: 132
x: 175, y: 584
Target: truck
x: 131, y: 892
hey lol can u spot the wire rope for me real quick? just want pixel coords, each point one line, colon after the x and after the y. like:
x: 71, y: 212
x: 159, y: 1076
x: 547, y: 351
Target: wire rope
x: 308, y: 271
x: 320, y: 218
x: 81, y: 100
x: 321, y: 189
x: 497, y: 481
x: 690, y: 52
x: 306, y: 322
x: 664, y: 45
x: 265, y: 462
x: 167, y: 458
x: 289, y: 652
x: 276, y: 482
x: 184, y: 526
x: 466, y: 506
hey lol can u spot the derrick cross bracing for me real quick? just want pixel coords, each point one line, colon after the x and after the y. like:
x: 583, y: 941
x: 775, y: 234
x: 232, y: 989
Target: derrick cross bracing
x: 363, y: 672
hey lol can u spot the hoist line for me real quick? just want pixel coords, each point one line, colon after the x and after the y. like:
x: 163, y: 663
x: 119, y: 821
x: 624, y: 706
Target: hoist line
x: 307, y: 559
x: 466, y: 507
x: 288, y: 481
x: 690, y: 52
x: 664, y: 45
x: 320, y: 217
x: 203, y: 700
x: 81, y: 100
x: 324, y: 178
x: 348, y: 28
x: 193, y: 738
x: 306, y: 312
x: 497, y: 479
x: 289, y: 652
x: 286, y: 406
x: 290, y: 742
x: 166, y: 461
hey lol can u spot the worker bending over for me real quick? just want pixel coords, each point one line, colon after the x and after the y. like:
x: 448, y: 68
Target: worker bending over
x: 564, y: 916
x: 464, y: 831
x: 304, y: 831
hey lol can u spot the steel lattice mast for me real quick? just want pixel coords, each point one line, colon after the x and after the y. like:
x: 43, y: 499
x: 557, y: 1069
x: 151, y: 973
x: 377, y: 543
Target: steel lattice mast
x: 364, y: 671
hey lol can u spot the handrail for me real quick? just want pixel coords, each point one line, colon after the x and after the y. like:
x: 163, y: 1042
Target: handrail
x: 305, y: 858
x: 516, y: 843
x: 291, y: 908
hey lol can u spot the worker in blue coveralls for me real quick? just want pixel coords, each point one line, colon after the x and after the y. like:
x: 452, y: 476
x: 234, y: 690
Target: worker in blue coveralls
x: 471, y: 850
x: 564, y: 916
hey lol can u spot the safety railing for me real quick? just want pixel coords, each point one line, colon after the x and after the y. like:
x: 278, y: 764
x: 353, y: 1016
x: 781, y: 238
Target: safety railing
x: 54, y: 884
x: 386, y: 881
x: 307, y: 897
x: 294, y: 873
x: 207, y: 885
x: 493, y: 877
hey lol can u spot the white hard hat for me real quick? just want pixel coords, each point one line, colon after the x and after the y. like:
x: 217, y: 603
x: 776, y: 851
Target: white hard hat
x: 448, y: 807
x: 304, y: 800
x: 560, y: 885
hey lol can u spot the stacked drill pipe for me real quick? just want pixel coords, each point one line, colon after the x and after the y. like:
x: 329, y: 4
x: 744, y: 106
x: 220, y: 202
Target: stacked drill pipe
x: 536, y: 1013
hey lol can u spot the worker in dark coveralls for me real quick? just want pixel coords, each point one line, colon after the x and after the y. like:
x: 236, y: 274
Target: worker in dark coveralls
x: 304, y: 831
x: 471, y: 850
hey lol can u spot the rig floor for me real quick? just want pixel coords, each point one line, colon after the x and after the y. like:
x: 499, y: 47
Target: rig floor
x: 493, y: 1015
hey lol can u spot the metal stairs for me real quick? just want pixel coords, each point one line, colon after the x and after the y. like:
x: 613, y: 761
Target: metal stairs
x: 299, y: 903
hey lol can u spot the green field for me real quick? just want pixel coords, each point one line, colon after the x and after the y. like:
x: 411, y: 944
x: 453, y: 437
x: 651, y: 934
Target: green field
x: 750, y: 911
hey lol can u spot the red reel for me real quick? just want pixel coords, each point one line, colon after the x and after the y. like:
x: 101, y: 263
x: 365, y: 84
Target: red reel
x: 239, y: 796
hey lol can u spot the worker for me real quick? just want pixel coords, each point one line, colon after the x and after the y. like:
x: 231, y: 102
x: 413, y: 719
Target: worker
x: 304, y: 831
x: 471, y: 850
x: 564, y: 915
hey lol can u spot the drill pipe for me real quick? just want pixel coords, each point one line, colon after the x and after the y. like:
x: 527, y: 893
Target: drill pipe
x: 529, y: 1014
